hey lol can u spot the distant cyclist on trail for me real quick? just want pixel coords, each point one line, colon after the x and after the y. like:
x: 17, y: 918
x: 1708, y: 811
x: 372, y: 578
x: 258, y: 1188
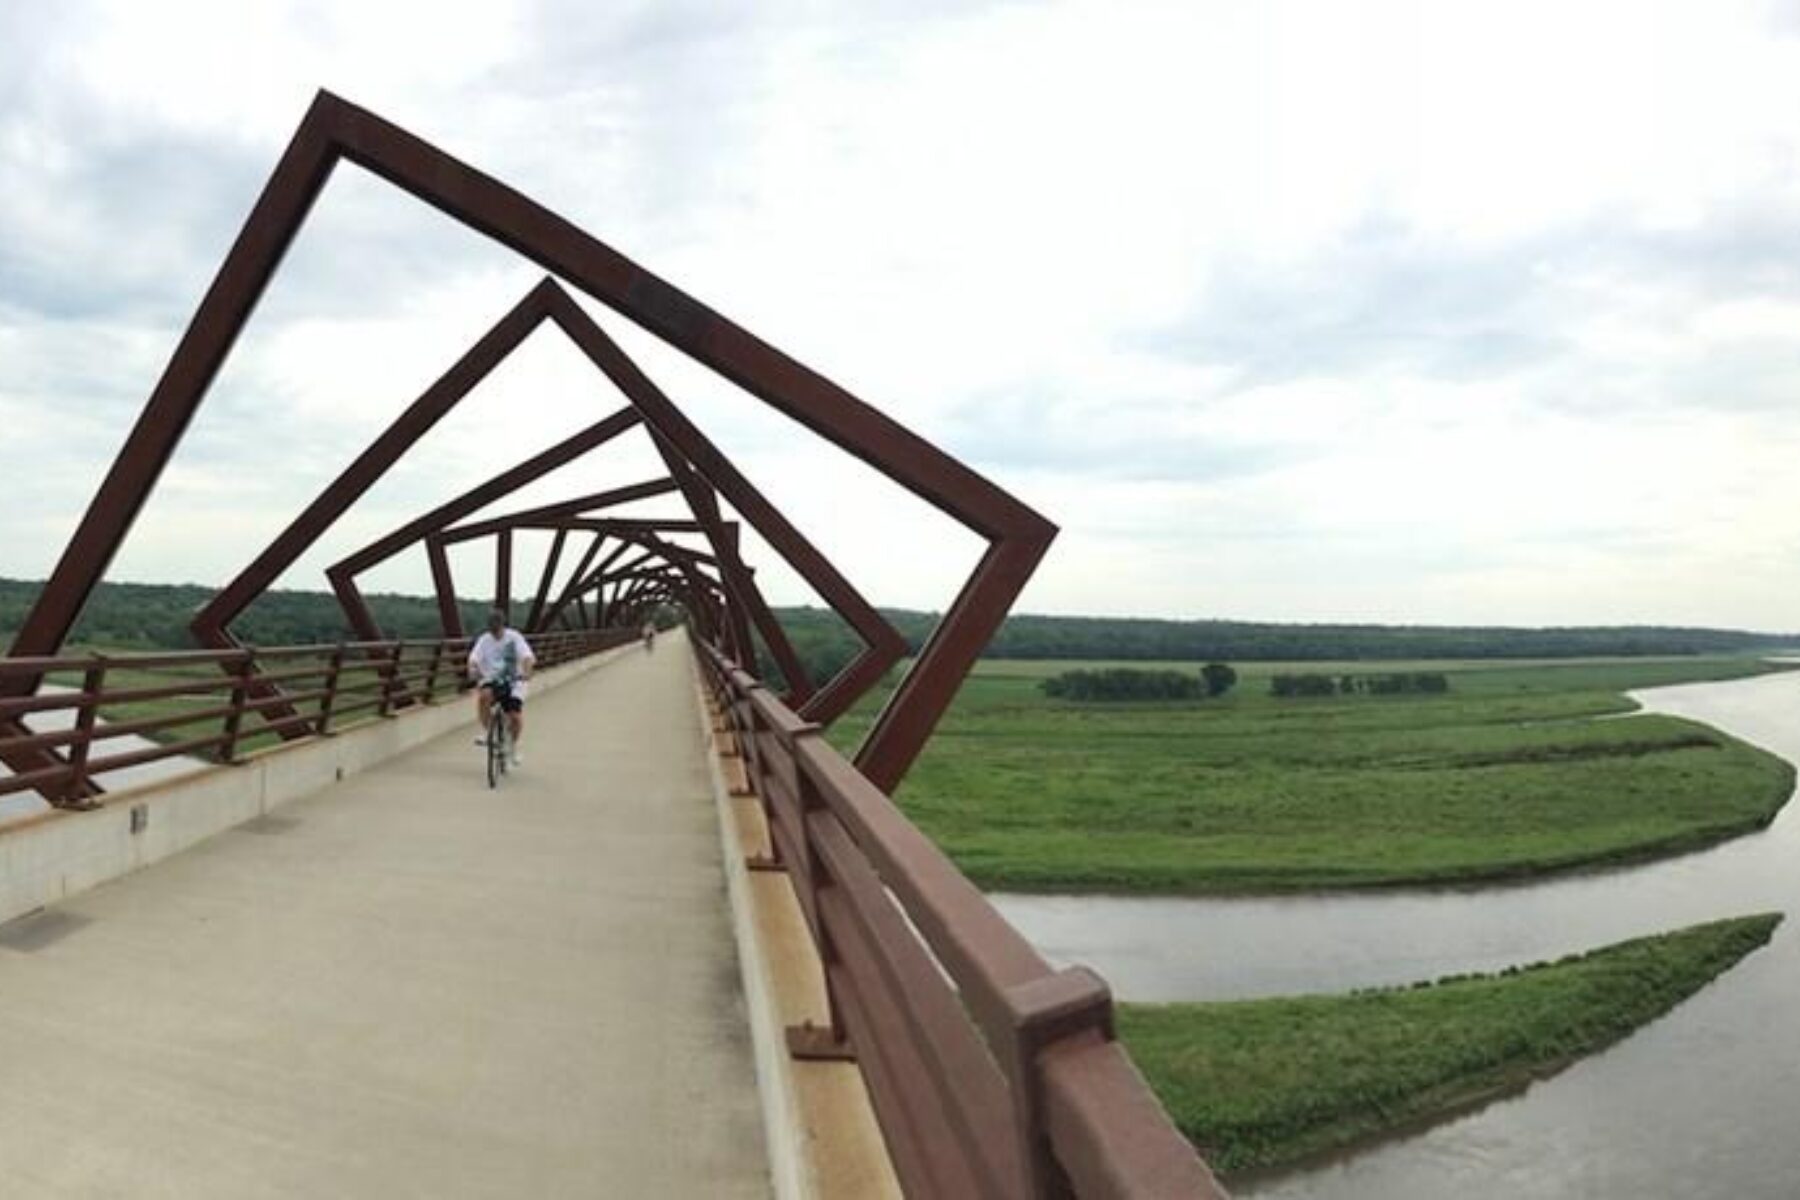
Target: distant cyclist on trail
x: 500, y: 662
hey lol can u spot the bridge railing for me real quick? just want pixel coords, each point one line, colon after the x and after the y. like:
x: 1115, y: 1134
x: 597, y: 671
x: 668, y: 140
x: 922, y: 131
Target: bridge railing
x: 992, y: 1074
x: 218, y: 704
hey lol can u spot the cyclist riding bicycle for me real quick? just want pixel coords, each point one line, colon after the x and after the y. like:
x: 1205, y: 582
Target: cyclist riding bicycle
x: 500, y: 662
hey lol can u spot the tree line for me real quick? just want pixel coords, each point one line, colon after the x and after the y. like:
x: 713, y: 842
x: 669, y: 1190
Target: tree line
x: 156, y: 616
x: 825, y: 643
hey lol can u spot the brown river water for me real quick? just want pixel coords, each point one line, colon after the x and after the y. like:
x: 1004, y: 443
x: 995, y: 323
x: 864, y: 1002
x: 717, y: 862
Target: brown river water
x: 1704, y: 1102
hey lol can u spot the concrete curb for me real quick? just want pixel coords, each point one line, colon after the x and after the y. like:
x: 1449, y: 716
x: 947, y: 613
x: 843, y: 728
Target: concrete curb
x: 783, y: 1124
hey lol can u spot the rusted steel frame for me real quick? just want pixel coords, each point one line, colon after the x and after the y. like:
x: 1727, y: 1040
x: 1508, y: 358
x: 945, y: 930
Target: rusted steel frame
x: 635, y: 585
x: 211, y: 624
x: 646, y: 603
x: 582, y: 524
x: 906, y: 721
x: 606, y: 570
x: 702, y: 471
x: 552, y: 513
x: 632, y: 564
x: 652, y: 593
x: 93, y: 683
x: 746, y: 606
x: 582, y: 620
x: 671, y: 524
x: 333, y: 128
x: 443, y: 586
x: 650, y: 574
x: 357, y: 612
x: 300, y: 175
x: 503, y: 572
x: 343, y: 572
x: 737, y: 618
x: 579, y: 579
x: 739, y: 580
x: 645, y: 537
x: 551, y: 562
x: 632, y: 533
x: 342, y: 575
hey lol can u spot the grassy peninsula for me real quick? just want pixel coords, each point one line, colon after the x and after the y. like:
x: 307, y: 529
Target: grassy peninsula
x: 1262, y: 1082
x: 1506, y: 774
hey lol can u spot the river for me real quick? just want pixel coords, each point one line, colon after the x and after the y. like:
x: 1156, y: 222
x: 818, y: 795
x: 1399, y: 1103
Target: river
x: 1704, y: 1102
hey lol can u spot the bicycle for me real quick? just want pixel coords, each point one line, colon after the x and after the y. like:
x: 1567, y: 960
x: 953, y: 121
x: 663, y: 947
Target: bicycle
x: 499, y: 732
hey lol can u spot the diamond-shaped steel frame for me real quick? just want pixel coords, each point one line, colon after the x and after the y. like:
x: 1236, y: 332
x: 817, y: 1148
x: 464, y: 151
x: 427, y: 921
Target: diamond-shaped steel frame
x: 545, y: 302
x: 335, y: 130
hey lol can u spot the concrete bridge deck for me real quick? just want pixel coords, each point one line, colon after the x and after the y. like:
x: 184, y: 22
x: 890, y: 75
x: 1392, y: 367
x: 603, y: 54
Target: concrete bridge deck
x: 409, y: 985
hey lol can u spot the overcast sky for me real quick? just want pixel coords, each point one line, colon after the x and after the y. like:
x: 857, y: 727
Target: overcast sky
x: 1426, y: 312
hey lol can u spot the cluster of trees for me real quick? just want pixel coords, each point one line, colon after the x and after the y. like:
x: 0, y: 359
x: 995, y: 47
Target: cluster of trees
x: 1407, y: 683
x: 1128, y: 683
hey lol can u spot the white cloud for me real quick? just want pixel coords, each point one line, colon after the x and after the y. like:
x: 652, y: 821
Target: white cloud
x: 1306, y: 310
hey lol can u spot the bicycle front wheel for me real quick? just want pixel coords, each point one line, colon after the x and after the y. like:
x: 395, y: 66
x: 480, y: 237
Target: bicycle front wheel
x: 496, y: 747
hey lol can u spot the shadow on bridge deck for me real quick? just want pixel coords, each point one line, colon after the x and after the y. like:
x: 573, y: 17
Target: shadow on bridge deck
x: 409, y: 984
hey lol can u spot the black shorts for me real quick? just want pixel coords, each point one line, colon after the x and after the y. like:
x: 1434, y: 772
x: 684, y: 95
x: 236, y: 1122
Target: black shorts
x: 504, y: 694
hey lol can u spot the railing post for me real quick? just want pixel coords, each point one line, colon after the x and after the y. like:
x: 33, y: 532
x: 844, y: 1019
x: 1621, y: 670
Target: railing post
x: 240, y: 695
x: 750, y: 763
x: 806, y: 1040
x: 329, y: 701
x: 91, y: 685
x: 390, y: 681
x: 1070, y: 1003
x: 437, y: 662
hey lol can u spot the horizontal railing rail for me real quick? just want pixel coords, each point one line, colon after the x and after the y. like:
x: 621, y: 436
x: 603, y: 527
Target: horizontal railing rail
x: 217, y: 704
x: 992, y: 1074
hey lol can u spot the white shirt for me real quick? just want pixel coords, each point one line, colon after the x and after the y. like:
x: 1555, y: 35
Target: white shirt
x: 492, y: 657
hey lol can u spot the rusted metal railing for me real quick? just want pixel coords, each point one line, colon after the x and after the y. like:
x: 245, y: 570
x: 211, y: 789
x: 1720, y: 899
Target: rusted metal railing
x: 222, y: 698
x: 992, y: 1073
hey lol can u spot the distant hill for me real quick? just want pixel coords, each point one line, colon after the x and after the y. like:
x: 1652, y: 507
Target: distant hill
x: 824, y: 640
x: 155, y: 616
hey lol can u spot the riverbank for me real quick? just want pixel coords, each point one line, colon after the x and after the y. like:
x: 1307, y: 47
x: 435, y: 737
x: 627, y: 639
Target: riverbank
x: 1263, y: 1082
x: 1506, y: 776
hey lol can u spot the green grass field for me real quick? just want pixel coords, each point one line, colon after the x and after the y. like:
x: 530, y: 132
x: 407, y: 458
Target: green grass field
x: 1260, y: 1082
x: 1507, y: 775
